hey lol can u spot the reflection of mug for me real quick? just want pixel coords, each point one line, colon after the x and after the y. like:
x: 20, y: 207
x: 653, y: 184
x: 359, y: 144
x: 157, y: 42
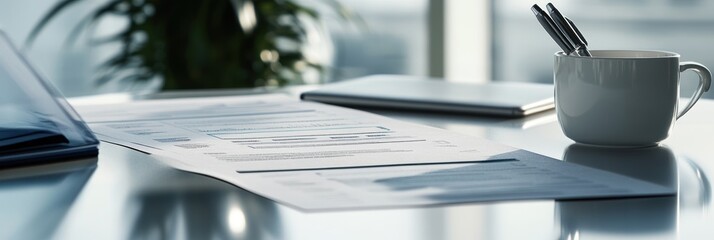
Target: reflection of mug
x: 651, y: 164
x: 621, y: 98
x: 623, y: 216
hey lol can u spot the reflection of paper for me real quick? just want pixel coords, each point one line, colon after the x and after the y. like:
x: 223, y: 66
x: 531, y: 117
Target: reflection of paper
x: 272, y: 132
x: 318, y: 157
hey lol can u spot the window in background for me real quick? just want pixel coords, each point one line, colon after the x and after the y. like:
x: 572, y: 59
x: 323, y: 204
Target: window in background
x: 63, y: 66
x: 522, y: 51
x: 439, y: 38
x: 393, y: 42
x: 69, y: 66
x: 467, y: 40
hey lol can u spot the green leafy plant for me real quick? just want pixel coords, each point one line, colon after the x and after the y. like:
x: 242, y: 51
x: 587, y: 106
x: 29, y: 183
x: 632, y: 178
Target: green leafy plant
x: 203, y: 44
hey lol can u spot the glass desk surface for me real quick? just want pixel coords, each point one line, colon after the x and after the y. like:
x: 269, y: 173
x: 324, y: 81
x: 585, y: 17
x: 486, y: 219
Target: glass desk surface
x: 125, y: 194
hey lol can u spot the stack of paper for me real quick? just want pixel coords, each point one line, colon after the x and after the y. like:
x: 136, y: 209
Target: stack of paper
x: 316, y: 157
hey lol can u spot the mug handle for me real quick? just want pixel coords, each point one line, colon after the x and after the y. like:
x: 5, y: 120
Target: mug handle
x: 705, y: 81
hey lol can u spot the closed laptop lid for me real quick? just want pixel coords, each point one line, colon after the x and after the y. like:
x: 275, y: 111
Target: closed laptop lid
x: 499, y: 98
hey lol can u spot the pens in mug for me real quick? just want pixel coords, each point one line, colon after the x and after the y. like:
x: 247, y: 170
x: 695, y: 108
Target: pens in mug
x: 552, y: 30
x: 568, y: 31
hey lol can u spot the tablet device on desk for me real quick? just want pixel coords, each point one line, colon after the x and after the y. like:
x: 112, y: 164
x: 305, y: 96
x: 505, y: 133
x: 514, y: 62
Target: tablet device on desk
x: 511, y: 99
x: 37, y: 125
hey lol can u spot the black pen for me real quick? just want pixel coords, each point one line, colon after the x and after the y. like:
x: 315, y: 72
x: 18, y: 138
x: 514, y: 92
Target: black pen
x: 572, y: 24
x: 568, y: 30
x: 552, y: 30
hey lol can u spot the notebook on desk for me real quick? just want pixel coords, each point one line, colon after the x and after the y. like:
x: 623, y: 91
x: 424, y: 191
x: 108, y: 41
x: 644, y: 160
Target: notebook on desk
x: 37, y: 125
x: 511, y: 99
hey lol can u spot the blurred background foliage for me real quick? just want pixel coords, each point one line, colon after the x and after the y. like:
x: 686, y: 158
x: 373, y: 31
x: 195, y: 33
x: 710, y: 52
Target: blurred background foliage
x: 205, y: 44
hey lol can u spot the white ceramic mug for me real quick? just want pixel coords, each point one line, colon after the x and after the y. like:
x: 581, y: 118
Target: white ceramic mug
x: 622, y: 97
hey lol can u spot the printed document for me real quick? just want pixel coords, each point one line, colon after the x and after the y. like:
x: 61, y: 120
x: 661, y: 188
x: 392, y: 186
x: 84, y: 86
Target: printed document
x: 320, y: 157
x: 274, y: 132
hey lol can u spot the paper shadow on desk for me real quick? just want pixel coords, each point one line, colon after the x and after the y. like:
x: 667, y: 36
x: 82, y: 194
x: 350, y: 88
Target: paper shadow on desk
x: 35, y: 199
x: 514, y: 175
x: 622, y: 216
x: 524, y: 176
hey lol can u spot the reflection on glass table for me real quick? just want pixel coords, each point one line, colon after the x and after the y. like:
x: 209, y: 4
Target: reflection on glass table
x: 203, y: 213
x: 636, y: 217
x: 35, y: 199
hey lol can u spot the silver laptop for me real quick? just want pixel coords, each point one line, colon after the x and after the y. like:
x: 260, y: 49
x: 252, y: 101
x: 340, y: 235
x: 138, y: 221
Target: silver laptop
x: 510, y: 99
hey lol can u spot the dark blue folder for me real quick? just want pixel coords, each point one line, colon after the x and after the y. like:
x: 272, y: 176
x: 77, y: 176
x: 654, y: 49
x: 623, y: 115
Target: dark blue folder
x: 37, y: 125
